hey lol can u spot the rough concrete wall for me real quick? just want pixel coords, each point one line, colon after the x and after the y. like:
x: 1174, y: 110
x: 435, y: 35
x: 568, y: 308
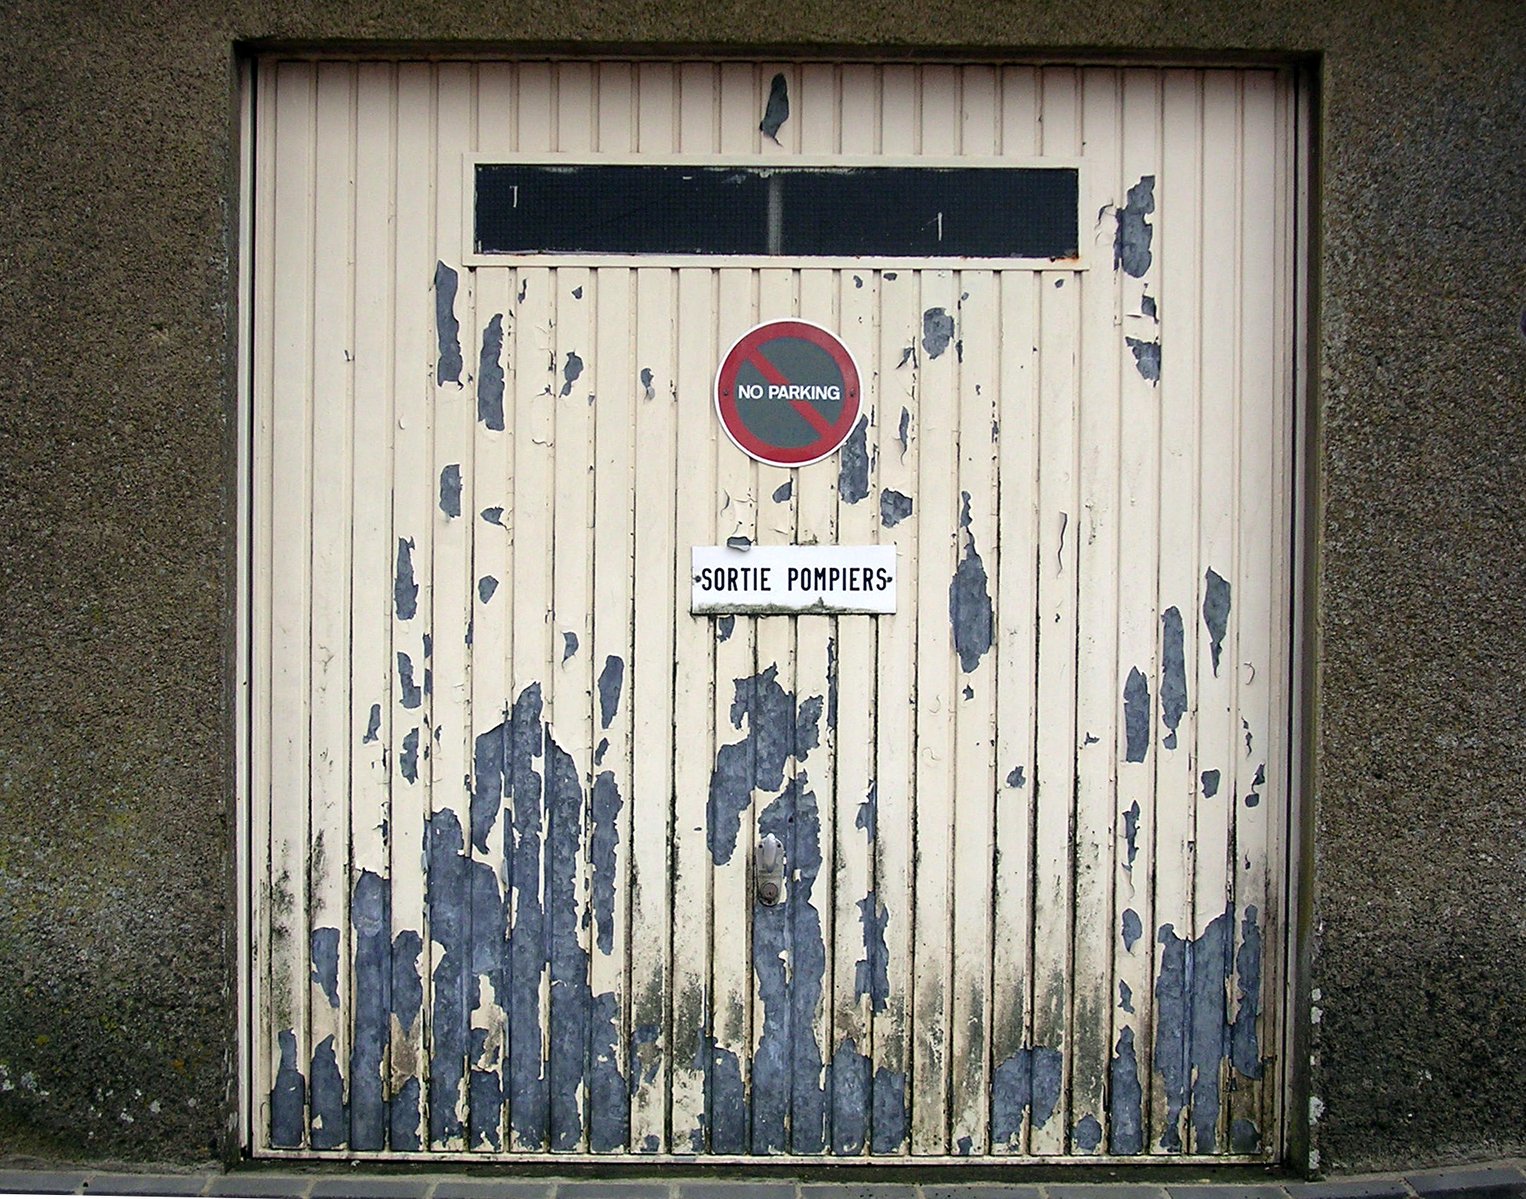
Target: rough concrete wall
x: 116, y: 1025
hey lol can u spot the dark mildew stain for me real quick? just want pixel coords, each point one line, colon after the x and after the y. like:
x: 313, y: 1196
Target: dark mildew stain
x: 937, y: 331
x: 853, y: 465
x: 1173, y: 675
x: 783, y: 492
x: 1125, y: 1113
x: 969, y: 601
x: 1215, y: 613
x: 408, y: 760
x: 288, y: 1096
x: 1210, y: 781
x: 1088, y: 1133
x: 371, y: 922
x: 775, y: 732
x: 570, y: 372
x: 1131, y: 834
x: 611, y: 680
x: 776, y: 111
x: 1015, y: 777
x: 1146, y: 358
x: 1133, y: 929
x: 490, y: 375
x: 447, y: 328
x: 1131, y: 241
x: 724, y: 627
x: 1136, y: 716
x: 450, y: 490
x: 373, y: 725
x: 602, y: 846
x: 486, y: 586
x: 569, y: 644
x: 894, y: 508
x: 324, y: 946
x: 1029, y: 1080
x: 411, y: 694
x: 405, y: 592
x: 871, y: 978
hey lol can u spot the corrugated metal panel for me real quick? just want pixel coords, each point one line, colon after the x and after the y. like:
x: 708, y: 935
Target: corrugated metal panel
x: 505, y: 789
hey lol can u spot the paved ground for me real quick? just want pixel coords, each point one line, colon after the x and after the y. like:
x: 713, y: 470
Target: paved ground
x: 1498, y: 1180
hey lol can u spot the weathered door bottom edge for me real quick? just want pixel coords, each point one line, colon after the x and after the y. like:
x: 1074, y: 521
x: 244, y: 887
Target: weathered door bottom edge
x: 691, y: 1161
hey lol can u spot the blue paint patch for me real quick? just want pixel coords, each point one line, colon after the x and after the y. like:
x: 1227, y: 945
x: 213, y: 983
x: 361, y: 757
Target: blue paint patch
x: 903, y: 431
x: 1210, y: 781
x: 964, y: 1145
x: 1125, y: 996
x: 1028, y: 1081
x: 1215, y: 613
x: 1015, y: 777
x: 1146, y: 358
x: 373, y: 725
x: 450, y: 490
x: 572, y: 370
x: 831, y: 682
x: 408, y: 760
x: 1136, y: 716
x: 405, y: 592
x: 528, y: 1096
x: 894, y: 508
x: 486, y: 586
x: 871, y: 977
x: 490, y: 376
x: 288, y: 1096
x: 868, y: 816
x: 1244, y: 1045
x: 1133, y: 928
x: 783, y: 492
x: 407, y: 1116
x: 371, y: 922
x: 1131, y: 834
x: 1192, y: 1034
x: 724, y: 627
x: 1087, y: 1133
x: 606, y: 837
x: 1131, y: 240
x: 487, y: 783
x: 776, y: 111
x: 324, y: 945
x: 484, y: 1090
x: 569, y: 645
x: 409, y: 691
x: 609, y: 1103
x: 493, y: 516
x: 447, y: 327
x: 407, y: 978
x: 937, y: 331
x: 330, y: 1129
x: 1148, y: 307
x: 1244, y: 1136
x: 724, y: 1119
x: 571, y: 1013
x: 775, y: 732
x: 853, y: 464
x: 889, y: 1126
x: 1173, y: 679
x: 647, y: 390
x: 600, y: 750
x: 852, y: 1097
x: 969, y: 601
x: 1125, y: 1113
x: 611, y: 680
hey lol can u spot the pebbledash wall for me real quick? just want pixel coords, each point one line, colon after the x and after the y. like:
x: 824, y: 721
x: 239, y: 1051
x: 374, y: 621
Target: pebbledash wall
x: 119, y: 340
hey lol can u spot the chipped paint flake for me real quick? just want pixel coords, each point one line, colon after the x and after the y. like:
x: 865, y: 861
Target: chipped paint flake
x: 571, y: 372
x: 490, y: 377
x: 1146, y: 358
x: 1173, y: 679
x: 1125, y: 1118
x: 894, y: 507
x: 1136, y: 716
x: 447, y: 327
x: 853, y: 464
x: 937, y: 331
x: 405, y: 591
x: 409, y: 692
x: 776, y: 111
x: 969, y: 601
x: 611, y: 680
x: 450, y: 490
x: 1215, y: 613
x: 1131, y: 241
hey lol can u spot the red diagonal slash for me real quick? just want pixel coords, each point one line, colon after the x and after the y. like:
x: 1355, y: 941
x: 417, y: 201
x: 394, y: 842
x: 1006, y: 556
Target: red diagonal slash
x: 806, y: 409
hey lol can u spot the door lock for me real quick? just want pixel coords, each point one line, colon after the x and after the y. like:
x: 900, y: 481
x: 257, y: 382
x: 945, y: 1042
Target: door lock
x: 768, y: 870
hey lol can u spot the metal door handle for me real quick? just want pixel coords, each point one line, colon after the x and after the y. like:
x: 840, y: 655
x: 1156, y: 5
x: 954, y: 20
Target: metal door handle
x: 768, y: 870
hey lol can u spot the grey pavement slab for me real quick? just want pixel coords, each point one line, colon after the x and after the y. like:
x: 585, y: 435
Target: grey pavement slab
x: 981, y: 1190
x: 1104, y: 1190
x: 710, y: 1188
x: 370, y: 1186
x: 493, y: 1188
x: 857, y: 1190
x: 1225, y: 1190
x: 1491, y: 1182
x: 147, y: 1184
x: 42, y: 1182
x: 260, y: 1185
x: 585, y: 1188
x: 1350, y: 1188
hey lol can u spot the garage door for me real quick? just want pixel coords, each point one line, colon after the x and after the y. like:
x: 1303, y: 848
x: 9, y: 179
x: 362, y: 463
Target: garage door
x: 513, y: 803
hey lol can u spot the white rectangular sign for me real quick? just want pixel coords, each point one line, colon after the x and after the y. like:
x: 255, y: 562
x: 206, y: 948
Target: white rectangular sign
x: 787, y: 579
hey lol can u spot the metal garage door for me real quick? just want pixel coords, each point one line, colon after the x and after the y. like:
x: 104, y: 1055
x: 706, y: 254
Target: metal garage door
x: 505, y: 790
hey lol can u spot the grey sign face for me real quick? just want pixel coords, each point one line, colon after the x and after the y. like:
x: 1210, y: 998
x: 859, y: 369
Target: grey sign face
x: 778, y: 381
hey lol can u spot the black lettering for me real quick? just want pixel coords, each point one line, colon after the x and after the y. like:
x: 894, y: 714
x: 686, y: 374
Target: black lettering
x: 883, y: 578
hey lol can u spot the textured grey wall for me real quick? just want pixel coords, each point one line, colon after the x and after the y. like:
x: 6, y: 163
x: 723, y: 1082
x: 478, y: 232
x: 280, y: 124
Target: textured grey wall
x: 116, y: 523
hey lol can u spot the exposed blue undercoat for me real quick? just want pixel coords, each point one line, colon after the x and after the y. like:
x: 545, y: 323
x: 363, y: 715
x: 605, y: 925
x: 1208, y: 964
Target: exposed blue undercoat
x: 871, y: 978
x: 894, y: 508
x: 447, y: 327
x: 324, y: 946
x: 486, y: 586
x: 783, y: 492
x: 288, y: 1096
x: 868, y: 816
x: 725, y: 1118
x: 1146, y: 358
x: 405, y: 592
x: 1131, y: 241
x: 371, y: 922
x: 603, y: 844
x: 406, y: 1109
x: 776, y: 111
x: 1216, y: 593
x: 969, y: 600
x: 611, y: 679
x: 373, y: 725
x: 408, y: 760
x: 724, y: 627
x: 1244, y: 1043
x: 1210, y: 781
x: 569, y: 645
x: 889, y: 1124
x: 411, y: 695
x: 1133, y: 929
x: 450, y: 490
x: 937, y: 331
x: 852, y: 1096
x: 1131, y: 834
x: 571, y: 372
x: 329, y: 1127
x: 1244, y: 1136
x: 1087, y: 1133
x: 1015, y: 777
x: 1027, y: 1081
x: 1125, y: 1113
x: 490, y: 376
x: 853, y: 464
x: 1136, y: 716
x: 1173, y: 674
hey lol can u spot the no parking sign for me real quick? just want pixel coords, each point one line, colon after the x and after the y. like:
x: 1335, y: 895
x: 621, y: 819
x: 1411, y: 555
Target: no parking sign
x: 788, y: 393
